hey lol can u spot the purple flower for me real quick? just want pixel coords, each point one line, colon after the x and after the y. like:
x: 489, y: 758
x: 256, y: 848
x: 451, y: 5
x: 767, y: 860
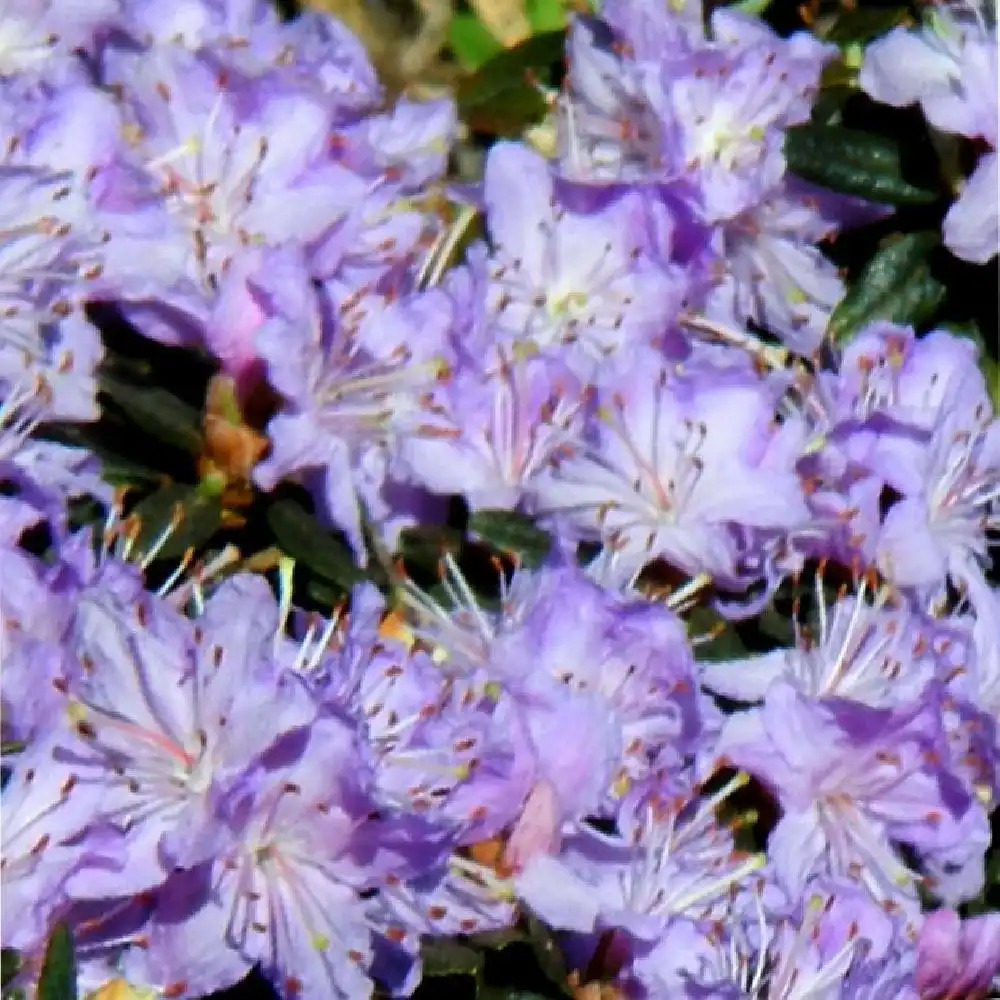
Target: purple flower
x: 33, y: 619
x: 875, y: 654
x: 352, y: 392
x: 674, y: 861
x: 773, y: 273
x: 453, y: 753
x: 851, y: 780
x: 43, y: 262
x: 833, y: 940
x: 591, y: 272
x: 411, y: 143
x: 231, y: 25
x: 37, y: 861
x: 704, y: 116
x: 220, y: 163
x: 606, y: 686
x: 938, y: 529
x: 319, y: 49
x: 957, y: 957
x: 986, y: 665
x: 42, y: 37
x: 949, y: 66
x: 491, y: 431
x: 971, y: 229
x: 724, y: 110
x: 285, y: 892
x: 164, y: 717
x: 672, y: 464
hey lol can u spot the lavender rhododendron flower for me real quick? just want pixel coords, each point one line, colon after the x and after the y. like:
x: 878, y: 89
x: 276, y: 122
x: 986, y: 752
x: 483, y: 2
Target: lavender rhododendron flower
x: 950, y: 68
x: 674, y: 862
x: 160, y: 721
x: 955, y: 955
x: 587, y: 272
x: 353, y: 391
x: 851, y: 779
x: 870, y: 653
x: 650, y: 483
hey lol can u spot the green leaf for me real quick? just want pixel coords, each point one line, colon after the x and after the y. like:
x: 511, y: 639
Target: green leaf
x: 426, y: 545
x: 546, y: 15
x: 863, y: 23
x: 303, y: 538
x: 157, y: 412
x: 444, y: 957
x: 58, y: 977
x: 896, y: 285
x: 511, y: 532
x: 502, y: 98
x: 471, y: 41
x: 755, y: 8
x: 10, y: 747
x: 548, y: 954
x: 190, y: 515
x: 10, y: 965
x: 726, y: 645
x: 851, y: 162
x: 499, y: 939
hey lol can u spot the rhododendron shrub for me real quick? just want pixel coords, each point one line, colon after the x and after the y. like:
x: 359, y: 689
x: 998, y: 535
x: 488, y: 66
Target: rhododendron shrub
x: 530, y: 537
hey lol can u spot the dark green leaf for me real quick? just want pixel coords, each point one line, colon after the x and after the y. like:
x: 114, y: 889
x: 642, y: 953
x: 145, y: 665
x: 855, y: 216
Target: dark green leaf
x: 10, y: 965
x: 895, y: 285
x: 303, y: 538
x: 10, y: 747
x: 726, y: 643
x: 426, y: 546
x: 324, y: 594
x: 190, y: 516
x: 444, y: 957
x: 852, y: 162
x: 58, y: 977
x: 511, y: 532
x: 548, y: 954
x: 157, y: 412
x: 776, y: 626
x: 500, y: 939
x: 862, y: 24
x: 502, y: 97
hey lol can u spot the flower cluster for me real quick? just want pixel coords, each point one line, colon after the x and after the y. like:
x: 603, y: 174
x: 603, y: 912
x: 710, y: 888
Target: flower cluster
x: 209, y: 779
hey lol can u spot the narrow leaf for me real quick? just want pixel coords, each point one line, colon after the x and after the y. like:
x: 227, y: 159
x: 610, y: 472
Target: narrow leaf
x: 503, y: 97
x: 895, y: 285
x: 444, y: 957
x: 157, y: 412
x: 471, y: 41
x: 10, y: 965
x: 851, y: 162
x: 511, y: 532
x: 548, y: 954
x: 302, y: 537
x: 179, y: 516
x: 862, y: 24
x: 547, y: 15
x: 58, y: 977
